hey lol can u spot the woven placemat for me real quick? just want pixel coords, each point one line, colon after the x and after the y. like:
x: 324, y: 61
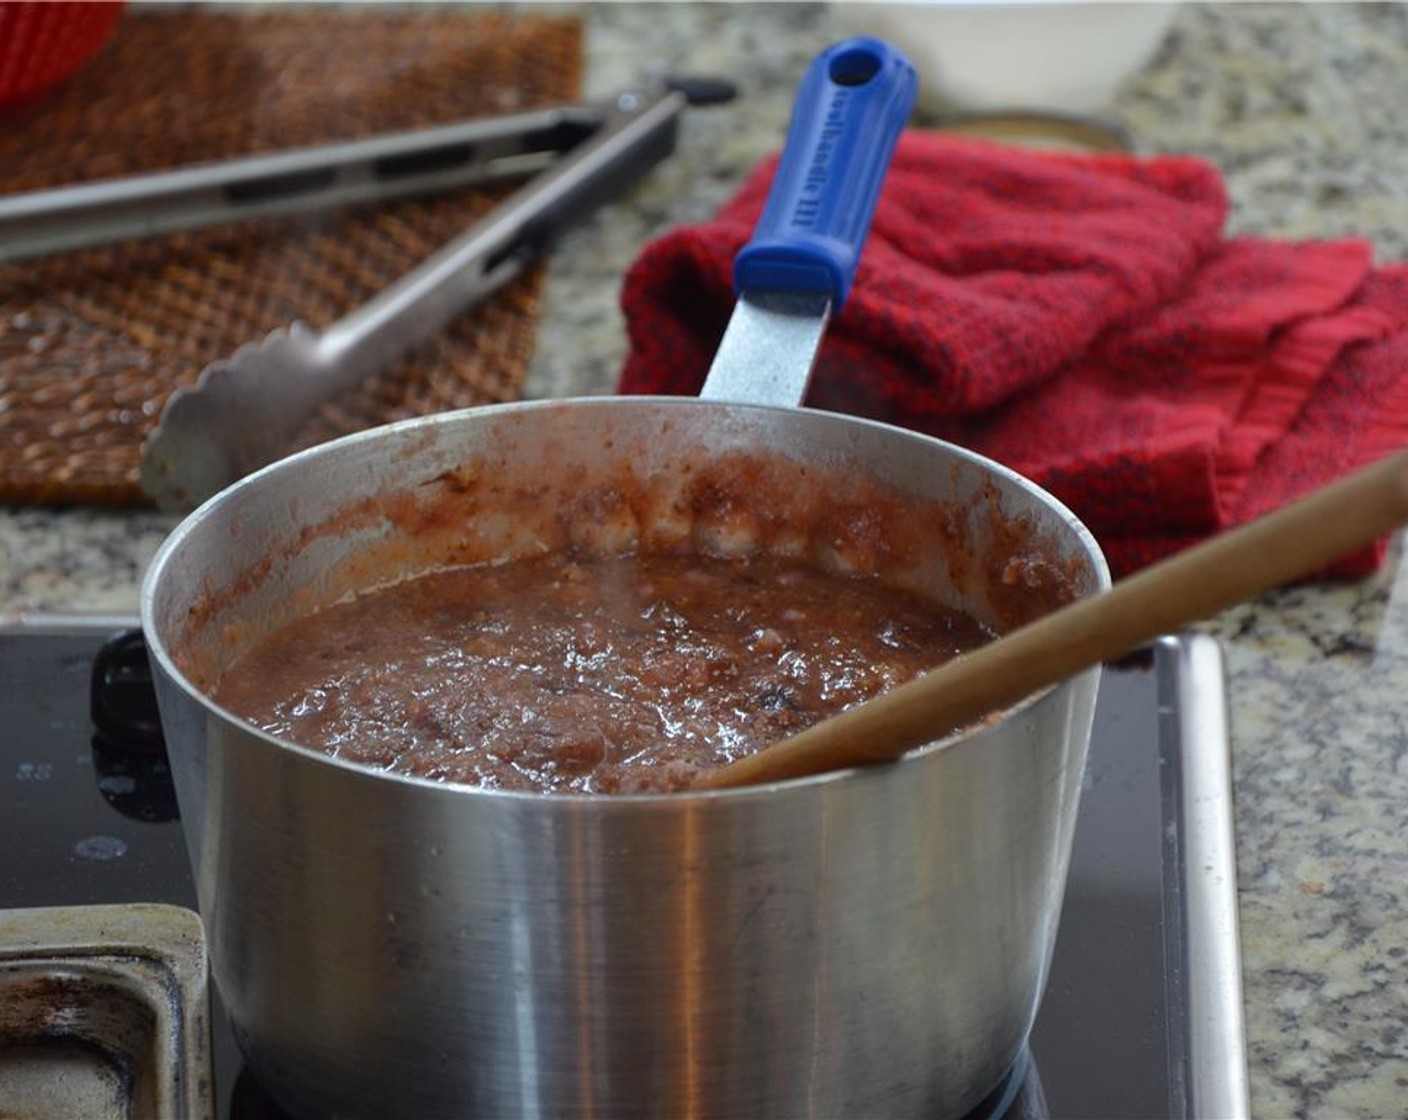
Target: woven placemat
x: 93, y: 342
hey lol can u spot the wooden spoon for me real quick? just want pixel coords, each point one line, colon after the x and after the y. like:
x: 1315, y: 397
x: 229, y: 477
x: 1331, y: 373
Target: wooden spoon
x: 1196, y: 583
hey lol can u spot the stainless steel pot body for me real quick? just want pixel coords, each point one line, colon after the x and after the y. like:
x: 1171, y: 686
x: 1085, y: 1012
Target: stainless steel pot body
x: 864, y: 943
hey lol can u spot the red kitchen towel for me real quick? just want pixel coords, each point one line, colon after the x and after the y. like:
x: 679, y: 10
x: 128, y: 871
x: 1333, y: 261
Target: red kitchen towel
x: 1082, y: 319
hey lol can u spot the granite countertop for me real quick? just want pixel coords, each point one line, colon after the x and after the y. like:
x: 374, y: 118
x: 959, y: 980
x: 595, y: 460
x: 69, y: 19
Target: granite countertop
x: 1302, y: 108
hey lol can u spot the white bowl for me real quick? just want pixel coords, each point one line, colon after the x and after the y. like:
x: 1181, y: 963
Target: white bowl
x: 1045, y: 55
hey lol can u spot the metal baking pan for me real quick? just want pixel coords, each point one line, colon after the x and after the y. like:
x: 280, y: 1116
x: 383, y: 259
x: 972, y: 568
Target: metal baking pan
x: 104, y: 1012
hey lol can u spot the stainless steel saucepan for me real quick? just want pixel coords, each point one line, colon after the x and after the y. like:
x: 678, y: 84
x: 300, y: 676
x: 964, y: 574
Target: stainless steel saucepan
x: 863, y: 943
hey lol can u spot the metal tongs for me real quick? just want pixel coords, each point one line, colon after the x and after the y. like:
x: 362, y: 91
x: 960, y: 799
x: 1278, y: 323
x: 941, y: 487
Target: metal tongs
x: 245, y: 411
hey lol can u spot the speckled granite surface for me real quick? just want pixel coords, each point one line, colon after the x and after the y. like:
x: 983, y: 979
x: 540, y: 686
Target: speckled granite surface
x: 1303, y: 107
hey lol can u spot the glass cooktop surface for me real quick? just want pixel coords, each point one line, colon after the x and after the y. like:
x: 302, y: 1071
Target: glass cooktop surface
x: 1142, y: 1013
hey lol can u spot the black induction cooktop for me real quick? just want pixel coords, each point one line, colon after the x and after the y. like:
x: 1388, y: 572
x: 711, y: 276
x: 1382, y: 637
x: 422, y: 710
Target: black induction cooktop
x: 1142, y: 1017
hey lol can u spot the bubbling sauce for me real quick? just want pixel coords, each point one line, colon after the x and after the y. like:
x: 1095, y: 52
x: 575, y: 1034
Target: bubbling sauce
x: 587, y: 673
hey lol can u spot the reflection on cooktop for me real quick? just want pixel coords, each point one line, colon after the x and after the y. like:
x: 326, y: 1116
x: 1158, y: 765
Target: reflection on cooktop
x: 1017, y: 1097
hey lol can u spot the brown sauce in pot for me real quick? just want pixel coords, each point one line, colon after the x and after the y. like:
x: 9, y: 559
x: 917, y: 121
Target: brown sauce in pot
x: 586, y: 673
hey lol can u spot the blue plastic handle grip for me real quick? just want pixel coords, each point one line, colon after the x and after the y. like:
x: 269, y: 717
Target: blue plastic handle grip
x: 851, y: 107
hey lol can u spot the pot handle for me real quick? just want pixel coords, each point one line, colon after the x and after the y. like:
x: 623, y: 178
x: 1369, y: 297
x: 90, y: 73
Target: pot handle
x: 851, y: 107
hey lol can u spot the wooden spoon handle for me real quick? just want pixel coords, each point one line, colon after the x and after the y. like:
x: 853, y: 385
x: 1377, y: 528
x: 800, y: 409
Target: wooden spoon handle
x: 1196, y: 583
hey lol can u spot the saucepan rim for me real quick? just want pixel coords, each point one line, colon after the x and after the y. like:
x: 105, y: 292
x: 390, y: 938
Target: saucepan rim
x: 193, y: 522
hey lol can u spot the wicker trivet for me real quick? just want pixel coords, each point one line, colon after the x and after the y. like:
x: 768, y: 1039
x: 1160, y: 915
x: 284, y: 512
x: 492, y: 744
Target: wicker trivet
x: 93, y: 342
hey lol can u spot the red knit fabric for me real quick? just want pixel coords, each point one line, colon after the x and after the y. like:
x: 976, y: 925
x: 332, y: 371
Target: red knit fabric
x: 1082, y: 319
